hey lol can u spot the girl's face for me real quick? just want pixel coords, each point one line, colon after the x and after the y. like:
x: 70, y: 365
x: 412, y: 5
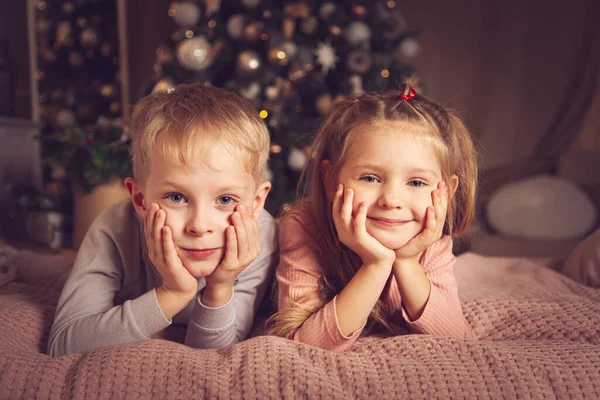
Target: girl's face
x: 394, y: 173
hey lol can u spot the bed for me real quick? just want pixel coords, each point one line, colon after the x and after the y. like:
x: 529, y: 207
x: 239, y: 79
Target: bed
x: 536, y: 335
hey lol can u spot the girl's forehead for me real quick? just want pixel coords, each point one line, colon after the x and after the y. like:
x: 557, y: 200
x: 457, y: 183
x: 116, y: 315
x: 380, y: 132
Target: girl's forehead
x: 394, y: 149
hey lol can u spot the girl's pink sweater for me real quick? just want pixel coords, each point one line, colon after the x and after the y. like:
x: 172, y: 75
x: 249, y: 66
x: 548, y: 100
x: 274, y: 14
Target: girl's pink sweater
x: 299, y: 272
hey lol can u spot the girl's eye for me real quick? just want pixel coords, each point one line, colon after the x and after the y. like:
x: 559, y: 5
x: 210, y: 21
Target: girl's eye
x: 417, y: 183
x: 176, y: 197
x: 225, y: 200
x: 369, y: 178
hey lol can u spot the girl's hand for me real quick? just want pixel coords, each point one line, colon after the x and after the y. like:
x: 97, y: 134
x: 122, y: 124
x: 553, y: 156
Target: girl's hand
x: 241, y: 248
x: 177, y: 280
x: 352, y: 230
x: 434, y: 225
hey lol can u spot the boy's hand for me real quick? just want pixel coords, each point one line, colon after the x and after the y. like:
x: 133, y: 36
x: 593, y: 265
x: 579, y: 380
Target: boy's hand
x: 352, y: 230
x: 434, y: 225
x: 242, y: 246
x: 177, y: 281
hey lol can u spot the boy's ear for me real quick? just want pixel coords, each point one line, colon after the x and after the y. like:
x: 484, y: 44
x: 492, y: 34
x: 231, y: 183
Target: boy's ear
x: 137, y: 196
x: 327, y: 178
x: 260, y: 197
x: 452, y: 185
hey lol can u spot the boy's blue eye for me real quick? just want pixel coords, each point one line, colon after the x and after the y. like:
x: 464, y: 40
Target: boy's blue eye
x: 225, y: 200
x: 369, y: 178
x: 176, y: 197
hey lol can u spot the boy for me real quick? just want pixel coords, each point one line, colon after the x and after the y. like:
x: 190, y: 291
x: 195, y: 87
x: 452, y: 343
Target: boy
x: 193, y: 246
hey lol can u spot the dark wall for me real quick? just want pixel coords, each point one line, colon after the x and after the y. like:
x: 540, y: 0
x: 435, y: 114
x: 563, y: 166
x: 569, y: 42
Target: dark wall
x: 13, y: 26
x: 147, y: 24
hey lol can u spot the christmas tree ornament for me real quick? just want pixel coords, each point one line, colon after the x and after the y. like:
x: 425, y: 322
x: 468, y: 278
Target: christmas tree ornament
x: 410, y: 47
x: 64, y: 29
x: 323, y: 104
x: 296, y: 159
x: 89, y: 38
x: 298, y: 9
x: 359, y: 11
x: 326, y: 10
x: 356, y: 84
x: 250, y: 91
x: 277, y: 56
x: 326, y: 57
x: 358, y: 33
x: 253, y: 30
x: 235, y: 26
x: 248, y: 62
x: 186, y: 14
x: 108, y: 90
x: 212, y: 6
x: 289, y: 27
x: 195, y: 53
x: 359, y: 62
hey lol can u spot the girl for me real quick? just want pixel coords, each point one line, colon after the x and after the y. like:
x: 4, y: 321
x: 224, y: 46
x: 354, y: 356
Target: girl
x: 392, y: 176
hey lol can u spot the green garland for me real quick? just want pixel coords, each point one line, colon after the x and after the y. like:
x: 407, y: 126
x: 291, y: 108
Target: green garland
x: 91, y: 156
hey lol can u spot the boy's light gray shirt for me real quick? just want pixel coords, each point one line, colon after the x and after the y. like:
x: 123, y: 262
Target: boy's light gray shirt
x: 110, y: 297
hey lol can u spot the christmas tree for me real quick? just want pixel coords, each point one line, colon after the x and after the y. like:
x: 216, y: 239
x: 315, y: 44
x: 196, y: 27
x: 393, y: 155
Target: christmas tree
x: 292, y: 59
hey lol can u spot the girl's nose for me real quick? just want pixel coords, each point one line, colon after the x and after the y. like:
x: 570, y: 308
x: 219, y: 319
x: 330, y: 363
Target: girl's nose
x: 390, y: 197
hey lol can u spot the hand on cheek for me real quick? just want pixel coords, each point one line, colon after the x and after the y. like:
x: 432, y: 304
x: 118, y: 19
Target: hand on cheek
x: 242, y: 246
x: 434, y: 220
x: 178, y: 285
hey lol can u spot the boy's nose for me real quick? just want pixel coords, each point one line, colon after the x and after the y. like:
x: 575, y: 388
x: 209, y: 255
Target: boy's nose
x: 199, y: 224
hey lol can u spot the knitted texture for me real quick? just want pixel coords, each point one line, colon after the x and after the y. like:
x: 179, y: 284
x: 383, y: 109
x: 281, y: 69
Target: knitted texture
x: 536, y: 335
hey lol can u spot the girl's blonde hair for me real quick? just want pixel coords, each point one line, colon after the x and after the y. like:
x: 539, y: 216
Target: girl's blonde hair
x: 183, y: 125
x: 347, y: 119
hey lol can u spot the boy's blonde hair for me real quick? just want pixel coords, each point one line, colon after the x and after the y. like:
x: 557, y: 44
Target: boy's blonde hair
x: 183, y: 125
x: 432, y: 123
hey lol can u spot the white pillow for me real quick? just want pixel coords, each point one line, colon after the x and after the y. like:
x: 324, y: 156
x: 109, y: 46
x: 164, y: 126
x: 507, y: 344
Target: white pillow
x: 542, y: 207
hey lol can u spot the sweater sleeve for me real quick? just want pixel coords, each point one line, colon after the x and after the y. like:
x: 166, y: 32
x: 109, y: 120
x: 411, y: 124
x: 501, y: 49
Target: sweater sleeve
x: 86, y: 316
x: 217, y: 327
x: 443, y: 314
x: 298, y: 275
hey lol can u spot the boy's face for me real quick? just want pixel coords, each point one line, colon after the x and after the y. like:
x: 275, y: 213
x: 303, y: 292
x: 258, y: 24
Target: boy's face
x: 199, y: 202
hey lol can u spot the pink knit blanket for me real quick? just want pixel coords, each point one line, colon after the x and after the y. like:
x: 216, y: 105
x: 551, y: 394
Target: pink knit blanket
x: 537, y: 335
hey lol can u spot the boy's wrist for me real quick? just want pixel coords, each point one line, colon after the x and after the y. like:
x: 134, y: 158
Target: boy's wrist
x: 171, y: 302
x: 216, y: 295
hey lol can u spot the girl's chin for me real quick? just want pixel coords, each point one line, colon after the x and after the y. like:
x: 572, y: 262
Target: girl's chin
x: 200, y: 269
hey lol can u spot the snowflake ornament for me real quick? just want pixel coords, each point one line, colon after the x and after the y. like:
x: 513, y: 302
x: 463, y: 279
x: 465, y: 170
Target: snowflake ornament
x: 326, y: 57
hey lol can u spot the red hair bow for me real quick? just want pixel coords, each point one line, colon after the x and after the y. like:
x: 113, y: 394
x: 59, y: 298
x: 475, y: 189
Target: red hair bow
x: 409, y: 96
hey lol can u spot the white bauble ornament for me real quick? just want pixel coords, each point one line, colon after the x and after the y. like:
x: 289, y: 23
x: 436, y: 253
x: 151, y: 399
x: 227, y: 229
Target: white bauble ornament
x: 358, y: 33
x: 195, y: 53
x: 410, y: 47
x: 326, y: 10
x: 542, y: 207
x: 187, y: 14
x: 296, y: 159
